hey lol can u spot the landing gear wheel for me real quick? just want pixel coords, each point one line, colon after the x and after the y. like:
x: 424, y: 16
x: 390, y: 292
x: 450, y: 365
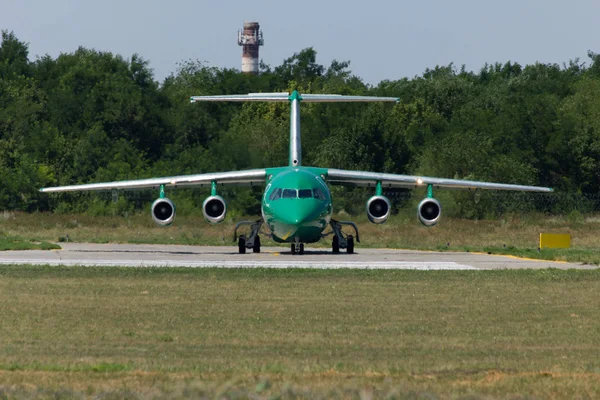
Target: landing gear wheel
x: 350, y: 248
x: 242, y: 244
x: 256, y: 247
x: 335, y: 244
x: 301, y: 251
x: 293, y: 248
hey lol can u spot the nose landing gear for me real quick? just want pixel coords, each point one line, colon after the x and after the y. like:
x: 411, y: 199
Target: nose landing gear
x: 297, y: 247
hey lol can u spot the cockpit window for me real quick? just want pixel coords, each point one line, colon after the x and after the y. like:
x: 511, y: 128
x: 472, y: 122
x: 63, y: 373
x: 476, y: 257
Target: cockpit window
x: 275, y: 194
x: 318, y: 193
x: 290, y: 193
x: 305, y: 193
x: 278, y: 193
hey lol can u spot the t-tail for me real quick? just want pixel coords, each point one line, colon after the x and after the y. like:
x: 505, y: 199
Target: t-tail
x: 295, y: 99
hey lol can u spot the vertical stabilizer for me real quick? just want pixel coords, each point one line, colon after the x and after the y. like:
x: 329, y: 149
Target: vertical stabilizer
x: 295, y: 142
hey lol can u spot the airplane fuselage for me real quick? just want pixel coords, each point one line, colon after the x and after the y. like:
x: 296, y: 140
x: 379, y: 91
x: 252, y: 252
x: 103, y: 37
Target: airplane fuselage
x: 296, y: 204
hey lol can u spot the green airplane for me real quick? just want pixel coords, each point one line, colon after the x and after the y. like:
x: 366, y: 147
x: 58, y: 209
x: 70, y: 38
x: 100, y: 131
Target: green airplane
x: 296, y: 203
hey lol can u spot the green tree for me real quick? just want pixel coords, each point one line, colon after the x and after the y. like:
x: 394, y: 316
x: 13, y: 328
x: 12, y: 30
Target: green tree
x: 14, y: 61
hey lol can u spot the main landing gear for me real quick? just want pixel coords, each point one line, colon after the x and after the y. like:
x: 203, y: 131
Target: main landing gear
x: 250, y: 242
x: 340, y: 239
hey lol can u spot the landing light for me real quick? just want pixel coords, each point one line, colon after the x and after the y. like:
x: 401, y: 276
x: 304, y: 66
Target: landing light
x: 419, y: 181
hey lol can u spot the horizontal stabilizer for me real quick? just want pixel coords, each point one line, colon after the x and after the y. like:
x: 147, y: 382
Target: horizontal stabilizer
x: 295, y: 99
x: 283, y: 97
x: 244, y: 97
x: 334, y: 98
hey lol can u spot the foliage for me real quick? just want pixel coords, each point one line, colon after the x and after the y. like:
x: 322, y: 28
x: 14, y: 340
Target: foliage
x: 91, y: 116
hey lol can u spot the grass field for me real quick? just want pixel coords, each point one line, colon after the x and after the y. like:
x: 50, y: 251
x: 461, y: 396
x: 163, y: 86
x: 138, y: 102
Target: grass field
x: 516, y: 234
x: 181, y: 333
x: 17, y: 243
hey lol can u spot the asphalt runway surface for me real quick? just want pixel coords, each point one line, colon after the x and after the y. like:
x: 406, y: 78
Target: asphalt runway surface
x: 150, y: 255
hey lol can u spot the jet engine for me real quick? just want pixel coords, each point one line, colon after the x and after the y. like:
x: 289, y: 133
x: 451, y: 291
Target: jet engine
x: 429, y: 211
x: 214, y: 209
x: 163, y: 212
x: 378, y: 209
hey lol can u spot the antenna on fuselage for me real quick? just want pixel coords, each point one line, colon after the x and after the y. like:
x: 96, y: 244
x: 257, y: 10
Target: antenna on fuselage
x: 294, y: 98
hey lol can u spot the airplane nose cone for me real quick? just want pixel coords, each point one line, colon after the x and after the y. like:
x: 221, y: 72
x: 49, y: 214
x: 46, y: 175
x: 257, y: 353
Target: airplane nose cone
x: 297, y: 212
x: 298, y: 215
x: 302, y: 219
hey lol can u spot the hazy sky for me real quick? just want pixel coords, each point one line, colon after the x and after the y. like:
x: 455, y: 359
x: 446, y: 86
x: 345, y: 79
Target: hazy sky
x: 381, y: 39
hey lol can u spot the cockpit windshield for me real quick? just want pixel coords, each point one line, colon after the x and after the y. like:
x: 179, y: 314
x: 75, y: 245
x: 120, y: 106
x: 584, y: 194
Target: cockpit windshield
x: 304, y: 193
x: 290, y: 193
x: 319, y: 195
x: 316, y: 193
x: 275, y: 194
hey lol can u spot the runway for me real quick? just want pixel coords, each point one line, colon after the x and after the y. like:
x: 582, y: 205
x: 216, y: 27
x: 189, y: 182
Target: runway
x: 146, y: 255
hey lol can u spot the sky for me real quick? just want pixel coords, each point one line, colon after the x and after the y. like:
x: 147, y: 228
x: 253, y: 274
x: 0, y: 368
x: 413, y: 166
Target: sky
x: 383, y: 40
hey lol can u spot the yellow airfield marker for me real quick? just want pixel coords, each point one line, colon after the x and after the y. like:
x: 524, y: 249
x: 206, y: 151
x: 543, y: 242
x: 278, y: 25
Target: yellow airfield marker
x: 555, y: 241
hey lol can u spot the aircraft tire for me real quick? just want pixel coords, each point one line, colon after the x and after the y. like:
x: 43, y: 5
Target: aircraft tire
x: 301, y: 251
x: 242, y: 244
x: 350, y: 248
x: 335, y: 244
x: 256, y: 247
x: 293, y: 248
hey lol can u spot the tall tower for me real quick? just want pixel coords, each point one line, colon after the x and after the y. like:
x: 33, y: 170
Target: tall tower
x: 250, y: 38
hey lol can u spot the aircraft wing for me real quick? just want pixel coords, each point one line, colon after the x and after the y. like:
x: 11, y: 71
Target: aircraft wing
x: 370, y: 179
x: 234, y: 178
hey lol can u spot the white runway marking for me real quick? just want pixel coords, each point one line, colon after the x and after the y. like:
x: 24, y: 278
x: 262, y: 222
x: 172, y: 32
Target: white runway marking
x: 409, y: 265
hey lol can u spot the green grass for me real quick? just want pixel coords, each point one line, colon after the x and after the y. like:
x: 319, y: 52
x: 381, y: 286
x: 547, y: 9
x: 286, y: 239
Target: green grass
x: 16, y: 243
x: 185, y: 333
x: 577, y: 255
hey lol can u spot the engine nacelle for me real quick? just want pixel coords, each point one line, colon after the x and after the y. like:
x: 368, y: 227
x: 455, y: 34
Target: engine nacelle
x: 163, y: 212
x: 378, y: 209
x: 429, y: 211
x: 214, y: 209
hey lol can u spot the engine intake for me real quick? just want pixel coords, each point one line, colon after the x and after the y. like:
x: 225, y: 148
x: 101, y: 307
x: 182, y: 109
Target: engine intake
x: 378, y: 209
x: 214, y: 209
x: 429, y: 211
x: 163, y: 212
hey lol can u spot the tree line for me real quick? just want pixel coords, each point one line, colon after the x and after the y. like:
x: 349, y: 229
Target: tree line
x: 93, y: 116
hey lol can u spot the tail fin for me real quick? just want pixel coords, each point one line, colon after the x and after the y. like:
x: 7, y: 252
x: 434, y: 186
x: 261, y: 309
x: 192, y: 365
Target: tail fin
x: 294, y: 98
